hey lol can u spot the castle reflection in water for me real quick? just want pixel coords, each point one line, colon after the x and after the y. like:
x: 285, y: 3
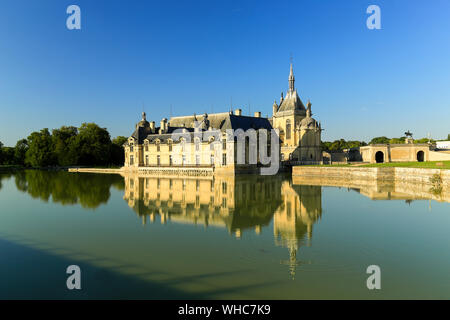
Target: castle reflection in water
x: 236, y: 203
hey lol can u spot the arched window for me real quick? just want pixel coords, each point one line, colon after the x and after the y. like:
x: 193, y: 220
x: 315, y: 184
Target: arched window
x: 288, y: 129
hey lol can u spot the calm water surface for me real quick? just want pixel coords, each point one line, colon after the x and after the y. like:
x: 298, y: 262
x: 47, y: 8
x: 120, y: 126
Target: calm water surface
x: 217, y: 238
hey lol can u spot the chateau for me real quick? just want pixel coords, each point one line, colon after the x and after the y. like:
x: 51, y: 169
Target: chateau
x: 229, y: 141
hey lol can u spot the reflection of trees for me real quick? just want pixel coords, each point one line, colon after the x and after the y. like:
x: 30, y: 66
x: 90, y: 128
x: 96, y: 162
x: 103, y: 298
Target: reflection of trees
x: 89, y: 190
x: 4, y: 176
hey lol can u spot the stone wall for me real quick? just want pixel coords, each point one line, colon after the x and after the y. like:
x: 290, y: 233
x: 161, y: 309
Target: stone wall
x: 395, y: 152
x: 95, y: 170
x: 439, y: 156
x: 345, y: 172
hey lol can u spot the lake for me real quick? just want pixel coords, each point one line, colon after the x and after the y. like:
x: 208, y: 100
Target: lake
x: 244, y: 237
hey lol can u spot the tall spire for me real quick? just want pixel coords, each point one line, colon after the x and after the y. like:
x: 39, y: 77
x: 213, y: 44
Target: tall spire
x: 291, y: 80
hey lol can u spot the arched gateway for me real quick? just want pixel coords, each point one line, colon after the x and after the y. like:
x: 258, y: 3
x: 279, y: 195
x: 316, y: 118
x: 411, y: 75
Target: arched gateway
x: 379, y: 157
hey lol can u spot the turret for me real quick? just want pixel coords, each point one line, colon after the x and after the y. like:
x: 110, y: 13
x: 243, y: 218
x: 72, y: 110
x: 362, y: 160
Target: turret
x: 163, y: 128
x: 308, y: 109
x: 274, y: 107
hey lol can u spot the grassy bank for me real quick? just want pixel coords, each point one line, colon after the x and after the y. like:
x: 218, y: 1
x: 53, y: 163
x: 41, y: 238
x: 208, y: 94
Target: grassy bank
x: 425, y: 165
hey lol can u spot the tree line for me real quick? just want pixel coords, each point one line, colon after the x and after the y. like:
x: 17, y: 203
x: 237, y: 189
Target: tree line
x: 88, y: 145
x: 343, y: 144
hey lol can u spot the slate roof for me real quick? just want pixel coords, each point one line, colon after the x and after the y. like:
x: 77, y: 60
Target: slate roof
x: 291, y: 102
x: 224, y: 121
x: 217, y: 121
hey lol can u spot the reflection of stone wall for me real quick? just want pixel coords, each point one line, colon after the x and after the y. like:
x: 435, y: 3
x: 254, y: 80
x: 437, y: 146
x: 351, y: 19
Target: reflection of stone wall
x: 300, y: 208
x: 381, y: 189
x: 235, y: 203
x: 232, y: 202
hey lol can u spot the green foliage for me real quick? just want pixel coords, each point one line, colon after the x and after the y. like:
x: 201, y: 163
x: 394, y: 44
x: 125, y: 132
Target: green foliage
x: 397, y: 140
x: 117, y: 153
x: 7, y: 155
x: 88, y: 145
x: 62, y: 140
x: 93, y: 145
x: 40, y: 152
x: 20, y: 151
x: 448, y: 137
x: 414, y: 164
x: 341, y: 144
x: 423, y: 140
x: 1, y: 152
x: 379, y: 140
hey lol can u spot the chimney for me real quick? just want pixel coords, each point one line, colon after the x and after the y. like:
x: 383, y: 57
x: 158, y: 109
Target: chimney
x: 258, y: 114
x: 238, y: 112
x: 152, y: 126
x: 163, y: 128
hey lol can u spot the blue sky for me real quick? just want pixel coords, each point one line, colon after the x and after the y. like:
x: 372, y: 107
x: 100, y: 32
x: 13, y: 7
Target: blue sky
x: 198, y: 55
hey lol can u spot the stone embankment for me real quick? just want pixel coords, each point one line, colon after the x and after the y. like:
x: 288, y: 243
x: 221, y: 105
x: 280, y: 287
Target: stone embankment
x: 416, y: 175
x: 96, y: 170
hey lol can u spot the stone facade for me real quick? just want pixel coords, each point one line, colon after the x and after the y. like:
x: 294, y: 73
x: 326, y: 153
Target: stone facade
x: 196, y: 142
x: 378, y: 153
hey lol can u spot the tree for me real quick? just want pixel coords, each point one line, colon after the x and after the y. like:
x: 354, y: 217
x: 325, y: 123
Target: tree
x: 341, y: 144
x: 379, y: 140
x: 1, y: 152
x: 92, y: 145
x: 448, y: 137
x: 117, y: 152
x: 62, y: 139
x: 8, y: 155
x: 423, y: 140
x: 20, y: 151
x: 40, y: 151
x: 400, y: 140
